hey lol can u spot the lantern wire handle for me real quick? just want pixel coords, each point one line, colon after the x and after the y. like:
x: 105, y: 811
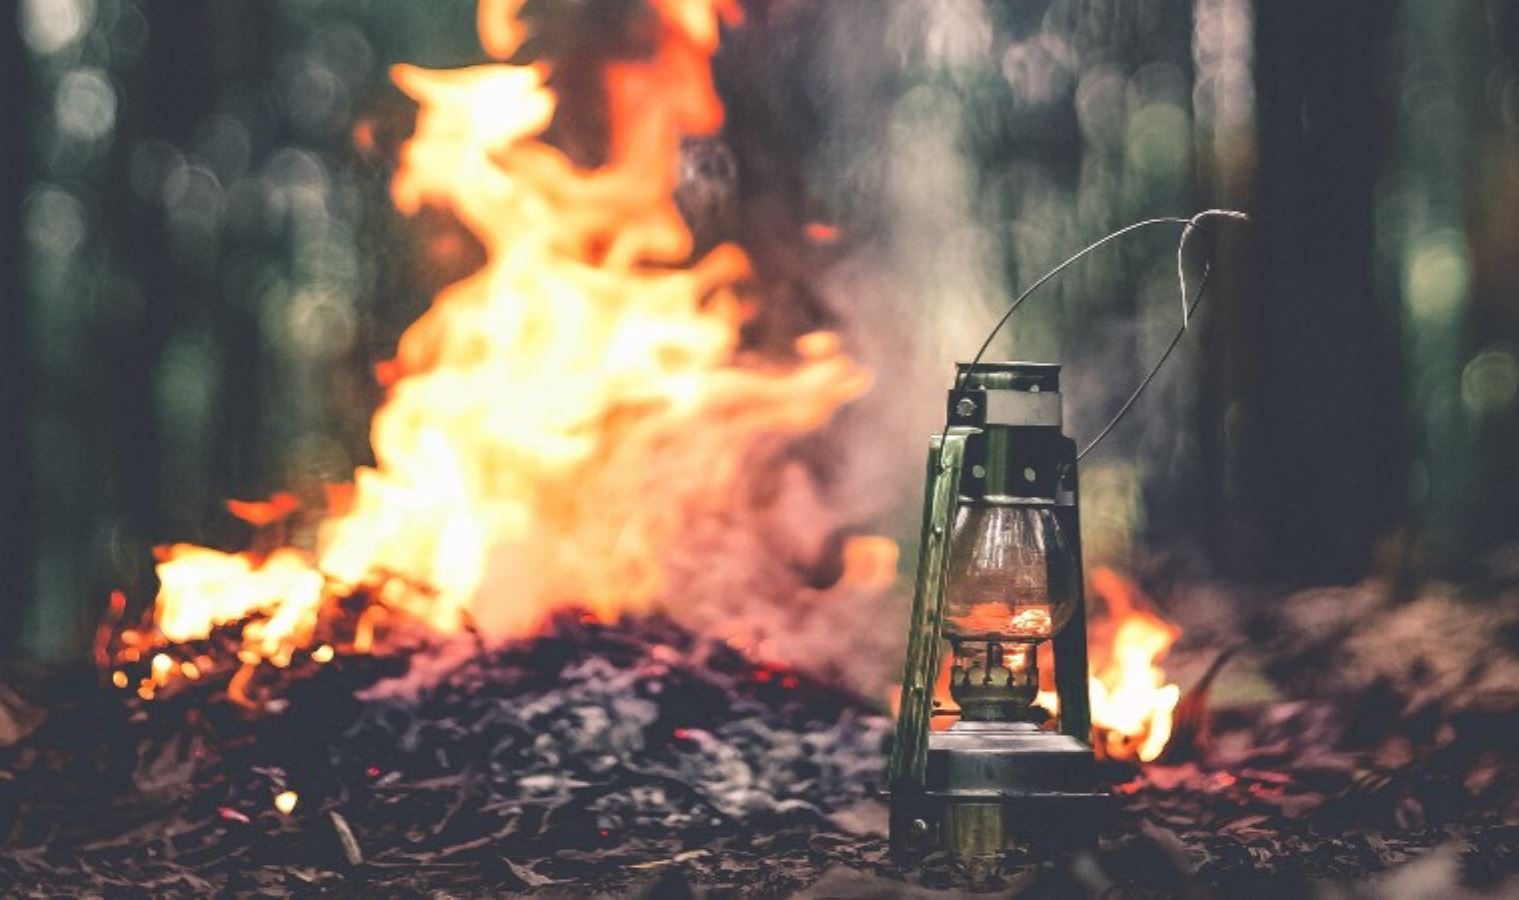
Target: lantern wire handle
x: 1155, y: 369
x: 1188, y: 308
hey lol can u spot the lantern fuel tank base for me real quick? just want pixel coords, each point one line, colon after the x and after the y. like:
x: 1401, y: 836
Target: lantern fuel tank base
x: 994, y: 787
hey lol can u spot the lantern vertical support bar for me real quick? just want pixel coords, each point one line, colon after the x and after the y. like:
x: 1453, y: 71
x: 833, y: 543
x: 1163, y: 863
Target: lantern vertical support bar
x: 909, y: 754
x: 1072, y: 674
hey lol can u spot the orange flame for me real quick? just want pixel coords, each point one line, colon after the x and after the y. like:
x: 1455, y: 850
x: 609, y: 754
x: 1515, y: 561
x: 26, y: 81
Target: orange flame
x: 555, y: 419
x: 1132, y: 703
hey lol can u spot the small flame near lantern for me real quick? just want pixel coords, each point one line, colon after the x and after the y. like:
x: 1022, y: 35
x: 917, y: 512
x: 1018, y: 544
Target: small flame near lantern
x: 556, y: 418
x: 1132, y: 703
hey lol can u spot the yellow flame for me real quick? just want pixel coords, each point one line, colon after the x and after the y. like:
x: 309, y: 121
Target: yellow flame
x: 556, y: 418
x: 1133, y: 705
x: 199, y: 588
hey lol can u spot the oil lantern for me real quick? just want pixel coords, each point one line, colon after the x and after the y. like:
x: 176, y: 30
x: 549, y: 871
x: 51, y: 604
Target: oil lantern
x: 999, y: 572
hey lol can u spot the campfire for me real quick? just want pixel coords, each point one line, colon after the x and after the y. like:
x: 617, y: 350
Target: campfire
x: 555, y: 422
x: 510, y: 656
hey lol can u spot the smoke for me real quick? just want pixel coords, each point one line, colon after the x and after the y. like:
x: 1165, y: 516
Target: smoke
x: 848, y: 188
x: 1012, y: 137
x: 960, y: 150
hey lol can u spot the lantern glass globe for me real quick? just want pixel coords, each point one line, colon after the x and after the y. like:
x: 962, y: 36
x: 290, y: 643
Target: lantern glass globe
x: 1012, y: 575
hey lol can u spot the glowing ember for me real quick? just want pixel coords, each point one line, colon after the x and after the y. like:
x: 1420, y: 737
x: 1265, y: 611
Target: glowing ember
x: 556, y: 418
x: 285, y: 801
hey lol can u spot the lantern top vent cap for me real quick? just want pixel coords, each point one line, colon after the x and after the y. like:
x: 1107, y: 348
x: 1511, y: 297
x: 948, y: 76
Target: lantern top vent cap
x: 1030, y: 377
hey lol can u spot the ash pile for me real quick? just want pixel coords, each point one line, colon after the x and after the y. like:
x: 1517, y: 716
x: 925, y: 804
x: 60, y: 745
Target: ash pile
x: 590, y: 759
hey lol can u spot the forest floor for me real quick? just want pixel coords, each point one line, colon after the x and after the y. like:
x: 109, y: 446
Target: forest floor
x: 1360, y: 745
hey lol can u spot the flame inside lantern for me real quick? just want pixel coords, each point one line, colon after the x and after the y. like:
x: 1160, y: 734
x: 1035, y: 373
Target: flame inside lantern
x: 1133, y: 706
x: 555, y: 418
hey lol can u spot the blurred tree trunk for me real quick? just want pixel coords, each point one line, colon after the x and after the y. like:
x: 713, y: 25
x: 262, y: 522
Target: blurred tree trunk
x: 1320, y: 442
x: 1490, y: 379
x: 175, y: 87
x: 17, y: 535
x: 1437, y: 187
x: 201, y: 52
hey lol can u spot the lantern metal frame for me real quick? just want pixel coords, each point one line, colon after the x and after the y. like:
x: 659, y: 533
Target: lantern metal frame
x: 985, y: 787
